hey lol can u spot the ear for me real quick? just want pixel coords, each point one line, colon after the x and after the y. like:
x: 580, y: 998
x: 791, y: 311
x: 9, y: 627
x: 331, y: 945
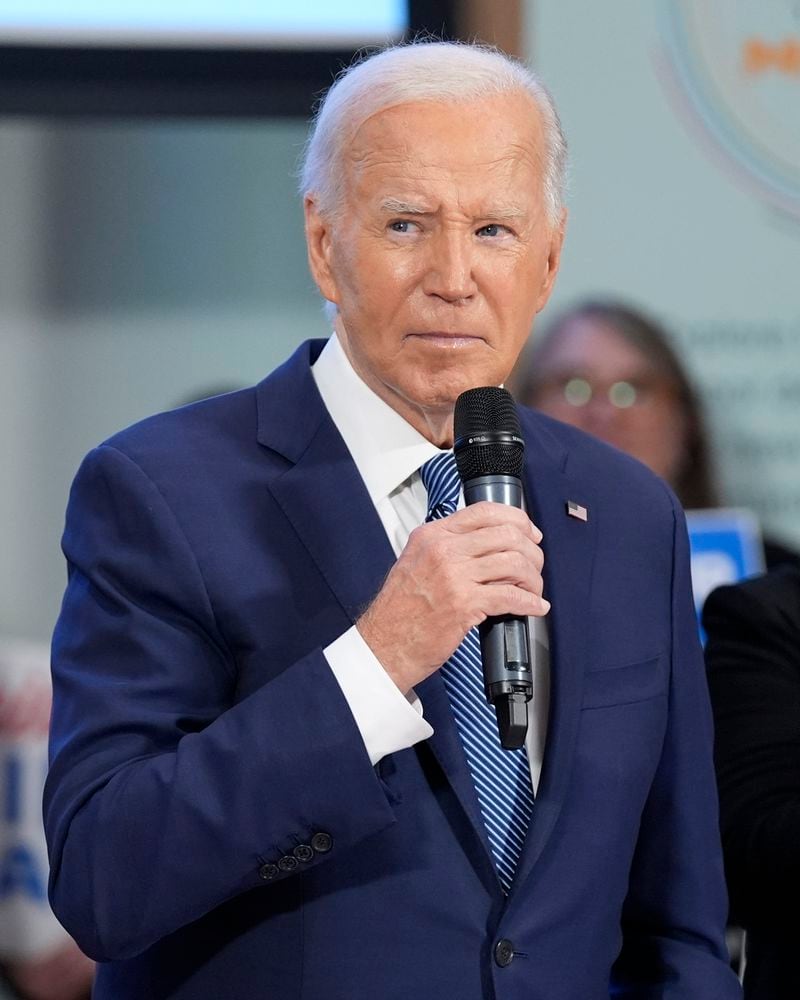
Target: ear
x: 553, y: 261
x: 320, y: 250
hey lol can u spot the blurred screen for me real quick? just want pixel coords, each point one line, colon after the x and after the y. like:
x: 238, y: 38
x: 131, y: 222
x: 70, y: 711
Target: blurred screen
x: 263, y: 23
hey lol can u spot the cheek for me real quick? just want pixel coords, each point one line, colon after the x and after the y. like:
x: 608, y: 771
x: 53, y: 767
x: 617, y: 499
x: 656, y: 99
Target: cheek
x: 514, y: 281
x: 655, y: 441
x: 526, y: 280
x: 376, y: 283
x: 669, y: 449
x: 554, y: 405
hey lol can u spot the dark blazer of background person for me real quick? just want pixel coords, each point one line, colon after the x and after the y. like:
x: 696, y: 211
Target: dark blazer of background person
x: 753, y: 657
x: 214, y: 551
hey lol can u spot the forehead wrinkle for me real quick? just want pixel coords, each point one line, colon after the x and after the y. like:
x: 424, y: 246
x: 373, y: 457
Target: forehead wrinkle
x: 505, y: 213
x: 404, y: 163
x: 401, y: 153
x: 502, y: 213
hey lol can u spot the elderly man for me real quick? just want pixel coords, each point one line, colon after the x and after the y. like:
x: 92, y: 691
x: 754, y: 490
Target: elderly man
x: 272, y: 770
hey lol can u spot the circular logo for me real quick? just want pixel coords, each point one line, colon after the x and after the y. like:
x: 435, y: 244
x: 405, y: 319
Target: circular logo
x: 735, y: 69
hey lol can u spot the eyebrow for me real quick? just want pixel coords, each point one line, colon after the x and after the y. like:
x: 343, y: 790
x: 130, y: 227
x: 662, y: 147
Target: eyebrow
x: 396, y: 206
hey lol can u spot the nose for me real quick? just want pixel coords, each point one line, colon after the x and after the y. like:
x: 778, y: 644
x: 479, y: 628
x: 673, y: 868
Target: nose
x: 449, y: 274
x: 601, y: 414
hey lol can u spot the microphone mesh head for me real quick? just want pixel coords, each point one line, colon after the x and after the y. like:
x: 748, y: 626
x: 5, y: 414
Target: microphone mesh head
x: 487, y: 410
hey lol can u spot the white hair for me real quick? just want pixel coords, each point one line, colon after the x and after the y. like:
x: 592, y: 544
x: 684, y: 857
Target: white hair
x: 453, y: 72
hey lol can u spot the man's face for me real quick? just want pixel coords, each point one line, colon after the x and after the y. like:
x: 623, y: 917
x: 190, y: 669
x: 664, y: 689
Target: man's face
x: 441, y: 254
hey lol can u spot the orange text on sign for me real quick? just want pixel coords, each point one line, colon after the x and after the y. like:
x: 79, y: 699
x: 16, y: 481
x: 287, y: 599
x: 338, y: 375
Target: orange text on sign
x: 760, y: 56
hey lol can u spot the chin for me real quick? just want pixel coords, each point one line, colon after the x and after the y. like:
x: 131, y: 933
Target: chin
x: 442, y: 393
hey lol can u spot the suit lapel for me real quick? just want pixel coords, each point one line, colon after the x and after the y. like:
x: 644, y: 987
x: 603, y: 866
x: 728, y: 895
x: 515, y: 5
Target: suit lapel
x: 448, y: 749
x: 321, y: 492
x: 569, y: 545
x: 326, y: 501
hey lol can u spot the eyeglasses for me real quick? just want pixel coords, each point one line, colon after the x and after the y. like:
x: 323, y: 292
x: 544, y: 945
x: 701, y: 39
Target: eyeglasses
x: 623, y: 394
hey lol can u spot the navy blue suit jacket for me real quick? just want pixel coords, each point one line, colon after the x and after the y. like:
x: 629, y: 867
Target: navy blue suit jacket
x: 199, y: 738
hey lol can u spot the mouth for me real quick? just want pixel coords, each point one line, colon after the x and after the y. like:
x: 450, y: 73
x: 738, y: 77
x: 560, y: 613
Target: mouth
x: 446, y: 339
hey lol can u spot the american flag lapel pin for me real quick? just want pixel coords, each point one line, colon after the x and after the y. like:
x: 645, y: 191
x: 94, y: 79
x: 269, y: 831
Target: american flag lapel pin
x: 575, y: 510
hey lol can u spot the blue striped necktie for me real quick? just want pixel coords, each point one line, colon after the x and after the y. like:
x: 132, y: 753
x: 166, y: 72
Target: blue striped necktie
x: 502, y: 777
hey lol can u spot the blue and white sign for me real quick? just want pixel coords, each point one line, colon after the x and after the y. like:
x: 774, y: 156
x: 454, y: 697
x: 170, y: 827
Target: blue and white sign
x: 726, y: 546
x: 28, y: 928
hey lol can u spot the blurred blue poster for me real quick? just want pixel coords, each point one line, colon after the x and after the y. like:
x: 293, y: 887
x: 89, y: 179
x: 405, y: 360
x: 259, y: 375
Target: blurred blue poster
x: 726, y: 546
x: 28, y: 929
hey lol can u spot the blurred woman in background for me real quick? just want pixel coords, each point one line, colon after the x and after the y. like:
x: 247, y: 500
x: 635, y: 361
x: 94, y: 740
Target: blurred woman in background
x: 611, y: 371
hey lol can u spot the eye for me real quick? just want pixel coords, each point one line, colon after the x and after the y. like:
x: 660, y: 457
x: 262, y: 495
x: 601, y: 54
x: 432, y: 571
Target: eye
x: 624, y: 394
x: 577, y: 391
x: 492, y: 229
x: 402, y: 226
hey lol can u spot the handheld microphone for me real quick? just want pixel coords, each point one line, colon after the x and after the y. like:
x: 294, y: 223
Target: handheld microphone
x: 489, y: 449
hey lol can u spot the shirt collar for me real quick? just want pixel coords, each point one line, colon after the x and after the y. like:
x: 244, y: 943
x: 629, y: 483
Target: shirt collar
x: 386, y: 449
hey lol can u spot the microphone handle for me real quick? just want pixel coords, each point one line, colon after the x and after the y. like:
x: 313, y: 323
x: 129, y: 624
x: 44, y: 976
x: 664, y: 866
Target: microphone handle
x: 505, y: 644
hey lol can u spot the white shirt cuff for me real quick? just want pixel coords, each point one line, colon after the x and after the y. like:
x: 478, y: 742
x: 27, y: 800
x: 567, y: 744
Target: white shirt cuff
x: 387, y: 720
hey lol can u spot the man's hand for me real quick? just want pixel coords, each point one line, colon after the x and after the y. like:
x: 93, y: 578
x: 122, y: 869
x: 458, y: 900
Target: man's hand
x: 480, y: 562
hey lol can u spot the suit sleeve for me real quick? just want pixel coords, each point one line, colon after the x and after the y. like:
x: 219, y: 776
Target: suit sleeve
x: 676, y: 908
x: 753, y: 657
x: 167, y: 795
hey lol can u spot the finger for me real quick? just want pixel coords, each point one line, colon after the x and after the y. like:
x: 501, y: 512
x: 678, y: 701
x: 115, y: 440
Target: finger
x: 486, y: 514
x: 495, y: 538
x: 506, y: 599
x: 507, y: 567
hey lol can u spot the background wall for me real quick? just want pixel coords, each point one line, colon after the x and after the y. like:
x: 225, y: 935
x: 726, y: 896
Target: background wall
x: 665, y: 215
x: 141, y: 263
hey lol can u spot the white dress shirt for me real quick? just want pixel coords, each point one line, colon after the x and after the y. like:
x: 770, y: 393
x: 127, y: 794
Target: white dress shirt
x: 388, y: 453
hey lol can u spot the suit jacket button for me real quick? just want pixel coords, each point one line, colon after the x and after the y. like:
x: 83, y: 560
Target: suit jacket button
x: 303, y: 852
x: 268, y: 872
x: 504, y: 952
x: 322, y: 842
x: 287, y: 863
